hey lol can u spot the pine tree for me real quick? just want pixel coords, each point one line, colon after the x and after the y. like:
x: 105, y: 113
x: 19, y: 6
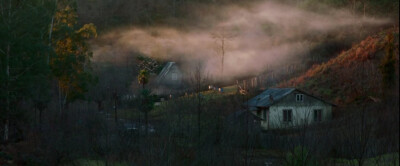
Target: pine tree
x: 23, y: 52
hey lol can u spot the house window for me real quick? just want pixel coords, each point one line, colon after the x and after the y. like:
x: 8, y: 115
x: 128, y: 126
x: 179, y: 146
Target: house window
x: 317, y: 115
x: 174, y: 76
x: 299, y: 97
x: 287, y: 115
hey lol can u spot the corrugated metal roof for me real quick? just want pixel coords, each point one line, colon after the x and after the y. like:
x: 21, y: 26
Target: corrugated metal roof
x: 263, y: 99
x: 164, y: 71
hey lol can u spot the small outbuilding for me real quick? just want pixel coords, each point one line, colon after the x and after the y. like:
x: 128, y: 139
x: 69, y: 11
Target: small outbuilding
x: 288, y: 107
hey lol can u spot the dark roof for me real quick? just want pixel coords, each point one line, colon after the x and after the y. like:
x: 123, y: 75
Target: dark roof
x: 264, y: 99
x: 242, y: 112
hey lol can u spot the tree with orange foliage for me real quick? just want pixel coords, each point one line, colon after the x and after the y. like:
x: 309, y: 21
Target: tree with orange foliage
x: 388, y: 63
x: 71, y: 65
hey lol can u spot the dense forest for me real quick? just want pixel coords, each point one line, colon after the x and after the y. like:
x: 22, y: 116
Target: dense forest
x: 91, y: 82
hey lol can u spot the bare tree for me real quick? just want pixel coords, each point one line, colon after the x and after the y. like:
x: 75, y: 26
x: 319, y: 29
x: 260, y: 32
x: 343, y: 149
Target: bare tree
x: 221, y: 39
x: 198, y: 81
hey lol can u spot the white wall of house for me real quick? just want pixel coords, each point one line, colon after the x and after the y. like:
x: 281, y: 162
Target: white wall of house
x: 302, y: 112
x: 169, y: 81
x: 173, y: 78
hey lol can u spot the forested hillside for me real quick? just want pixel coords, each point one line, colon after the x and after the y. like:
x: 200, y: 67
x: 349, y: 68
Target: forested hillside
x: 79, y: 82
x: 369, y: 68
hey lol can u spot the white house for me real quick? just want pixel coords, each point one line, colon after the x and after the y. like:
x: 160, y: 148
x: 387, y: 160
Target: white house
x: 288, y: 107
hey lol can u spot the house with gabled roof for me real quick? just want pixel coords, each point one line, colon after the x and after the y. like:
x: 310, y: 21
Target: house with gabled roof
x: 169, y: 81
x: 288, y: 107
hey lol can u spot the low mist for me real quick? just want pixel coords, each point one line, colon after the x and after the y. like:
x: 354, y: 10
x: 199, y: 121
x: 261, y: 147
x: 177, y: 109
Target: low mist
x: 258, y: 35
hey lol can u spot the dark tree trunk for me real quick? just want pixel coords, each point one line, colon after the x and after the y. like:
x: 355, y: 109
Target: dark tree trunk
x: 115, y: 111
x: 99, y: 105
x: 146, y: 122
x: 199, y: 115
x: 40, y: 119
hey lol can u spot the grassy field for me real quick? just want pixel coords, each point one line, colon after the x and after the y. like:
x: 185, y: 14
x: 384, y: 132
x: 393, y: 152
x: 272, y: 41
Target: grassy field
x: 386, y: 160
x: 88, y: 162
x: 157, y: 112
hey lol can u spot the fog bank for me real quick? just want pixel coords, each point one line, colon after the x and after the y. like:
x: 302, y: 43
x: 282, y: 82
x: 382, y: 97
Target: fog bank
x: 258, y: 35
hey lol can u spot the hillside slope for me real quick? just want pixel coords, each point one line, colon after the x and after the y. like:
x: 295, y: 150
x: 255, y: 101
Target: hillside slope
x: 353, y: 73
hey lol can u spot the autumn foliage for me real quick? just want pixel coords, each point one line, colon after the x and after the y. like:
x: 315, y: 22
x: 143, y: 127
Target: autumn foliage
x: 352, y: 74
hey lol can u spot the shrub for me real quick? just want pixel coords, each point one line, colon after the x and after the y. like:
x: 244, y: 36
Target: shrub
x: 300, y: 157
